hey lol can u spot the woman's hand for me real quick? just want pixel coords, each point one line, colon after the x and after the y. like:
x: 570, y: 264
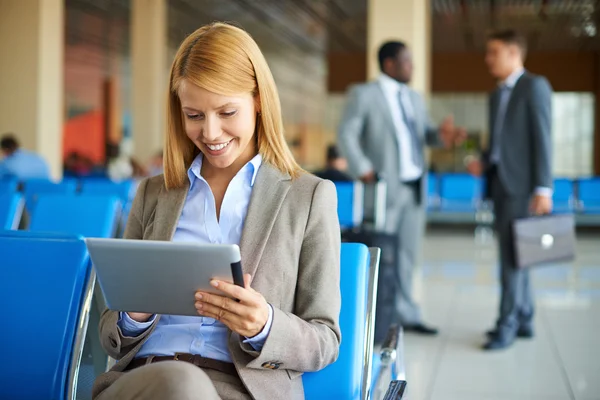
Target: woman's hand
x: 139, y: 317
x: 247, y: 317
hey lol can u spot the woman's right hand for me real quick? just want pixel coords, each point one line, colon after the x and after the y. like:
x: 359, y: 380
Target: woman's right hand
x: 139, y: 317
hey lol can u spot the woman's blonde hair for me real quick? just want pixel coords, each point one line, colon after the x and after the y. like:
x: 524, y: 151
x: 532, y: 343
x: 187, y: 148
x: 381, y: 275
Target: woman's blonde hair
x: 224, y: 59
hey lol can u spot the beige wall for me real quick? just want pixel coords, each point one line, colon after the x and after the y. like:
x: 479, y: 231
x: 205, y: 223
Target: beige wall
x: 149, y: 80
x: 405, y: 20
x: 31, y: 75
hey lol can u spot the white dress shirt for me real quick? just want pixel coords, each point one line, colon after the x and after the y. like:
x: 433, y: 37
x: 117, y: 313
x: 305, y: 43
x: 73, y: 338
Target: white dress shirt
x: 409, y: 168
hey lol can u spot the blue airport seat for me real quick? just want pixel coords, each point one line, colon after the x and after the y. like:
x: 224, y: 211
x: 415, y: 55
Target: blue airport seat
x: 47, y: 278
x: 589, y: 195
x: 37, y: 187
x: 8, y: 185
x: 460, y: 193
x: 563, y: 196
x: 343, y: 379
x: 433, y: 191
x: 97, y: 186
x: 352, y: 376
x: 89, y: 216
x: 350, y: 203
x: 11, y: 209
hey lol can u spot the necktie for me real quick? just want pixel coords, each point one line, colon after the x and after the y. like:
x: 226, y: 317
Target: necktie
x: 415, y: 141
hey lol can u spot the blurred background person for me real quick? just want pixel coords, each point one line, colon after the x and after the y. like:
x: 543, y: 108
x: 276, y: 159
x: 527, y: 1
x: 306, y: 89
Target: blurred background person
x: 155, y: 166
x: 383, y: 132
x: 19, y: 163
x: 518, y: 168
x: 336, y: 167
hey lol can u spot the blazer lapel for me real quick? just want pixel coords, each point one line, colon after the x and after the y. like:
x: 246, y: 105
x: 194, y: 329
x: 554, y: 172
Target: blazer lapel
x: 515, y: 93
x: 268, y: 194
x: 168, y: 211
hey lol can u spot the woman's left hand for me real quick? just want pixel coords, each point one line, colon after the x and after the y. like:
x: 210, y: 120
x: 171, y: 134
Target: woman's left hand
x: 247, y: 317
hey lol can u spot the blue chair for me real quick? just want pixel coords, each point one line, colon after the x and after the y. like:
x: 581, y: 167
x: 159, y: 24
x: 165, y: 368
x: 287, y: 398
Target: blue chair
x: 433, y: 192
x: 43, y: 361
x: 351, y: 376
x: 589, y: 195
x: 350, y: 203
x: 8, y: 186
x: 11, y: 210
x: 460, y: 193
x: 563, y: 196
x: 106, y: 187
x: 90, y: 216
x: 37, y: 187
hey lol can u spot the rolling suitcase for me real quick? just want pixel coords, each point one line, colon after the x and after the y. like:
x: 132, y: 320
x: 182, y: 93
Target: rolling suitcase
x: 371, y: 233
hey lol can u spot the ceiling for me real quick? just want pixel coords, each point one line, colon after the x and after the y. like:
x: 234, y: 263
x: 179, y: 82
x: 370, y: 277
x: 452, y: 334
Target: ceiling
x: 318, y: 26
x: 549, y: 25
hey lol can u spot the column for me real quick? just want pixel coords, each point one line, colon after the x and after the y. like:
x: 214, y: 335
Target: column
x: 31, y: 78
x: 149, y: 73
x: 408, y: 21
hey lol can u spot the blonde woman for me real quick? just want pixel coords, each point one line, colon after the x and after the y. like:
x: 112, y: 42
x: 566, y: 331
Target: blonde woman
x: 230, y: 178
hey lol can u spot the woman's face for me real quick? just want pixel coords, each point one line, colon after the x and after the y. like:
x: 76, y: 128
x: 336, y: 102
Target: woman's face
x: 222, y: 127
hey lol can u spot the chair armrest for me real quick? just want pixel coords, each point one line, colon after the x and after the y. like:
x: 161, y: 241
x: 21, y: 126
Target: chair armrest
x: 391, y: 340
x: 395, y: 390
x: 392, y: 363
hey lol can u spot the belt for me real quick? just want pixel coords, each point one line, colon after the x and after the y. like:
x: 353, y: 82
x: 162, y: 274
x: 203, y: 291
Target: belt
x: 199, y: 361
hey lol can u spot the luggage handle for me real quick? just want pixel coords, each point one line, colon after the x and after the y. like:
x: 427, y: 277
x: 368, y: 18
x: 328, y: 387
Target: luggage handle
x: 378, y: 193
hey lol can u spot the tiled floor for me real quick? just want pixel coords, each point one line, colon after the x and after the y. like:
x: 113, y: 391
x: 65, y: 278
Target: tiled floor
x: 458, y: 290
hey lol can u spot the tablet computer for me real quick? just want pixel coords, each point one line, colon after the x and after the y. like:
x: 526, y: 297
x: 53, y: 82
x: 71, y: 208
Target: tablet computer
x: 161, y: 277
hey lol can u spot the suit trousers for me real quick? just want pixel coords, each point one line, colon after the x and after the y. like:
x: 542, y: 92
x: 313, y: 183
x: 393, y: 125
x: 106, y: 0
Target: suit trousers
x: 516, y: 301
x: 175, y: 380
x: 406, y: 219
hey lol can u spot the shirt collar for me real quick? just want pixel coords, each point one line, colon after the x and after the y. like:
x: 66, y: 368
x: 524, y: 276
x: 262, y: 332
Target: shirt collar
x: 390, y: 83
x: 251, y: 169
x: 512, y: 79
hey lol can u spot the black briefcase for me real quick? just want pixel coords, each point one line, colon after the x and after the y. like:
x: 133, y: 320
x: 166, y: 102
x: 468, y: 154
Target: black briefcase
x: 543, y: 240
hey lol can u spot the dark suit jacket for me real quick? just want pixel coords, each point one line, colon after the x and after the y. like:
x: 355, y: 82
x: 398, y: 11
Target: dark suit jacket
x: 333, y: 175
x: 525, y: 140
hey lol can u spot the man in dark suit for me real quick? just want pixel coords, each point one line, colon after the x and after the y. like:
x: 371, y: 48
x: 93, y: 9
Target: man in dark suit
x: 518, y: 169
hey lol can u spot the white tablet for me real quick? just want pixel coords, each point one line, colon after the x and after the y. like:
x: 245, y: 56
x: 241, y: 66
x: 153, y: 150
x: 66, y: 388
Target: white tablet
x: 161, y: 277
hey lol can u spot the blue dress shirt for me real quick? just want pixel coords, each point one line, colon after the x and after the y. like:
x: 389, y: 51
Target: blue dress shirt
x: 23, y: 164
x: 198, y: 223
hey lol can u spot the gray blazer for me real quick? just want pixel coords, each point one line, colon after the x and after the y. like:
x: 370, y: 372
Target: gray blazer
x: 291, y: 246
x: 526, y: 144
x: 367, y: 136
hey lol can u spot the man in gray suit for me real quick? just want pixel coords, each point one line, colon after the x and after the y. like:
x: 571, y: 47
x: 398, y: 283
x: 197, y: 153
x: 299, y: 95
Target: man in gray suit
x: 383, y: 132
x: 518, y: 168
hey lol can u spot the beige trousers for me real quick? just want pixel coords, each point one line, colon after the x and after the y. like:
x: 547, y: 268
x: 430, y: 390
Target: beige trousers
x: 175, y: 380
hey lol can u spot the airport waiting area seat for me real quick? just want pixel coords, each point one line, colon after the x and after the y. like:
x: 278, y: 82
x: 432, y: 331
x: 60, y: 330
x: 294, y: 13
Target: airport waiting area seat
x: 34, y: 188
x: 563, y: 196
x: 589, y: 195
x: 433, y: 191
x: 87, y: 215
x: 353, y: 375
x: 47, y: 278
x: 457, y: 198
x: 8, y: 185
x: 459, y: 192
x: 107, y: 187
x: 11, y: 209
x: 350, y: 203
